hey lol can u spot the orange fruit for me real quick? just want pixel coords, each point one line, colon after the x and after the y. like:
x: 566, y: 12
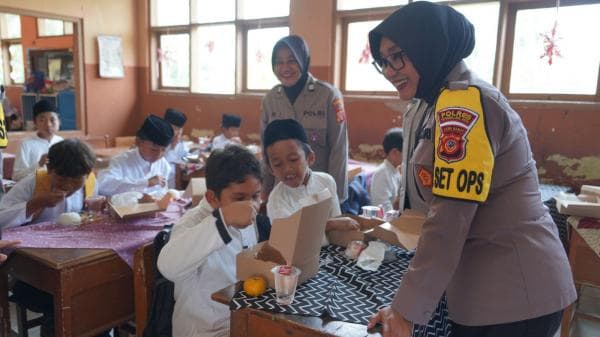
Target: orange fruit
x: 255, y: 285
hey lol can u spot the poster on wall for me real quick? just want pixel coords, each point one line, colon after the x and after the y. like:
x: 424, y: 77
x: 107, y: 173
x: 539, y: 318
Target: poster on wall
x: 110, y: 49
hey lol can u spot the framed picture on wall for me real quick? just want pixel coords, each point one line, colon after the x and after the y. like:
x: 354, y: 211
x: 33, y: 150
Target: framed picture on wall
x: 110, y: 56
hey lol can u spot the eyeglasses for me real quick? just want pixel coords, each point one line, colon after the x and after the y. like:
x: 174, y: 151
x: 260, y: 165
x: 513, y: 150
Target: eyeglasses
x: 395, y: 61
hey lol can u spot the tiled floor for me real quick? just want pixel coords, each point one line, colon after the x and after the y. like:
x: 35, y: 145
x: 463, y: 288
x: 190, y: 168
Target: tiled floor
x: 588, y: 303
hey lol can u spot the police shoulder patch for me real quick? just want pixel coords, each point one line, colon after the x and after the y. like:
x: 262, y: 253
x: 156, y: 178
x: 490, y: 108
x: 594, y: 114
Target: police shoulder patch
x: 338, y: 107
x: 464, y: 159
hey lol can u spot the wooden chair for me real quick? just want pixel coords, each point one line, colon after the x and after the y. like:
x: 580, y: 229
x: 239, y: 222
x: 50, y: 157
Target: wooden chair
x: 127, y: 141
x: 143, y: 278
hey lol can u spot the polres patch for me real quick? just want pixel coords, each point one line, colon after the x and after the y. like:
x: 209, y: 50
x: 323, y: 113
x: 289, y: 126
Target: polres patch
x: 338, y: 107
x: 455, y: 124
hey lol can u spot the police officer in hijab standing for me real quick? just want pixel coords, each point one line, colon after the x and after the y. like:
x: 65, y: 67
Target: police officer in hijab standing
x: 317, y: 105
x: 488, y: 242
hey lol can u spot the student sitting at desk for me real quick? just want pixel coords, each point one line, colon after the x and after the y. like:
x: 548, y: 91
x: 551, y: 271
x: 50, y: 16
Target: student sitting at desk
x: 230, y: 125
x: 33, y: 152
x: 61, y: 188
x: 177, y: 149
x: 289, y: 156
x: 200, y: 255
x: 385, y: 184
x: 143, y: 168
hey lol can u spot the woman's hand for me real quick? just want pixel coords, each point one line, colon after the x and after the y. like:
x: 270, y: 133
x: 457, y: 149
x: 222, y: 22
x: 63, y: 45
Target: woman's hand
x: 342, y: 224
x: 393, y: 324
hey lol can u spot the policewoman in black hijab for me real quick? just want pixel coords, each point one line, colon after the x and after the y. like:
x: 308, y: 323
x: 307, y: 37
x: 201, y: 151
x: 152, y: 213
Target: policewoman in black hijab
x: 315, y: 104
x: 487, y: 241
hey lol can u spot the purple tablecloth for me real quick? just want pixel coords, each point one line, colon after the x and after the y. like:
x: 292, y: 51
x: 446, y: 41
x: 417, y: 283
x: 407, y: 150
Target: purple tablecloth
x: 122, y: 236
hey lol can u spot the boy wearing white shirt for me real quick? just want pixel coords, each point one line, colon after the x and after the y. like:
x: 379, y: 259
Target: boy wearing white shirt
x: 386, y: 180
x: 61, y: 188
x: 33, y: 152
x: 143, y: 168
x: 177, y: 149
x: 289, y: 157
x: 200, y: 257
x: 230, y: 125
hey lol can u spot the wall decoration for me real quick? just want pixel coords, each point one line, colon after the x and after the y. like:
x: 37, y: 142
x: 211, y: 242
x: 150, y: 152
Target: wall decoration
x: 110, y: 56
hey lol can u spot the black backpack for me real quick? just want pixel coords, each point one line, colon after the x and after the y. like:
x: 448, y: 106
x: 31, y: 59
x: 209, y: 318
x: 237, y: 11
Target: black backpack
x: 160, y: 322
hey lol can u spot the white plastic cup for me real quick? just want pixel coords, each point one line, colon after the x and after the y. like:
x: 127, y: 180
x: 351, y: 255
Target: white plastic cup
x: 286, y: 280
x: 370, y: 211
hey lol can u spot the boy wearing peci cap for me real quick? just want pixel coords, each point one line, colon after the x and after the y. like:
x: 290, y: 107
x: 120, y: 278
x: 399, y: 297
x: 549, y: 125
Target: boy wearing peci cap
x: 177, y: 149
x: 143, y: 168
x: 230, y: 125
x: 33, y: 152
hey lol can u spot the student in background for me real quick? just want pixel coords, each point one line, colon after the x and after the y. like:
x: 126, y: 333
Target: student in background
x: 33, y: 152
x: 385, y: 183
x: 143, y: 168
x: 177, y: 149
x: 317, y: 105
x: 289, y: 157
x: 230, y: 127
x: 61, y: 188
x: 200, y: 255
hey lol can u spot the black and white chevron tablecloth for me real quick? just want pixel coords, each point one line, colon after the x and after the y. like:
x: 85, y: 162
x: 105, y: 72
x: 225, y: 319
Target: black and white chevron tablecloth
x: 347, y: 293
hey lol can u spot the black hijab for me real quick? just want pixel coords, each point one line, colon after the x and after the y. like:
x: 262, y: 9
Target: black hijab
x: 301, y: 53
x: 435, y: 38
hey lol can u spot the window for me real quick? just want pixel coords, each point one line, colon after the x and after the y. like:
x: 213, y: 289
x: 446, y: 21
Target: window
x: 216, y: 47
x: 10, y: 26
x: 17, y: 71
x: 359, y: 76
x: 575, y: 70
x: 51, y: 27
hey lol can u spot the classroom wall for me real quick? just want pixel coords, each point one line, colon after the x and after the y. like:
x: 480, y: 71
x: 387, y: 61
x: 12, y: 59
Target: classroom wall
x: 111, y: 104
x: 562, y: 136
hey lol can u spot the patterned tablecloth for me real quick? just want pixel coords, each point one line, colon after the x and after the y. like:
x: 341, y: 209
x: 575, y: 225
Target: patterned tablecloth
x: 589, y: 229
x: 123, y: 236
x: 347, y: 293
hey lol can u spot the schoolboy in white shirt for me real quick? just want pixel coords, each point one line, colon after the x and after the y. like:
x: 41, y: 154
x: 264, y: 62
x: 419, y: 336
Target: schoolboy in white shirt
x: 33, y: 152
x: 143, y: 168
x: 386, y: 180
x: 289, y: 157
x: 177, y: 149
x: 230, y: 126
x: 200, y: 256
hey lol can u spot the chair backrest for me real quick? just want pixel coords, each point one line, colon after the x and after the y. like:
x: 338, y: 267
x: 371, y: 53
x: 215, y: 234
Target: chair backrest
x: 154, y: 320
x: 126, y: 141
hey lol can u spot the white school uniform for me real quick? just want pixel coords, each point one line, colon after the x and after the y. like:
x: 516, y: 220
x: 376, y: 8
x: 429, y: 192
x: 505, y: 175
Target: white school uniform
x: 29, y: 153
x: 174, y: 155
x: 130, y: 172
x: 13, y: 205
x: 285, y: 200
x: 199, y: 262
x: 385, y: 185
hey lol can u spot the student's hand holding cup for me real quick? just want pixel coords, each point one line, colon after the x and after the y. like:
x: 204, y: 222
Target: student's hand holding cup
x: 157, y: 180
x: 239, y: 214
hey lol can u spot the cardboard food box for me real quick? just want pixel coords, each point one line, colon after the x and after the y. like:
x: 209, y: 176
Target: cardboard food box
x: 403, y: 231
x: 195, y: 190
x: 342, y: 238
x: 571, y: 204
x: 141, y: 209
x: 295, y: 240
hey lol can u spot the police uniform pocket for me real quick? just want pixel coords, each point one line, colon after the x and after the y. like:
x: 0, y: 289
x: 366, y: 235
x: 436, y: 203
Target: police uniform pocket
x: 317, y: 137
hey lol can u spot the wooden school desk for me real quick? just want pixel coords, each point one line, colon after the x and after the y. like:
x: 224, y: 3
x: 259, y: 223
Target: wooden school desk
x: 248, y: 322
x: 92, y: 288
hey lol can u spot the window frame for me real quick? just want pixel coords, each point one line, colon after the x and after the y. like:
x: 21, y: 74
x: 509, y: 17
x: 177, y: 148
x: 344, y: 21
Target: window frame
x: 6, y: 46
x: 38, y: 33
x: 241, y: 30
x: 511, y: 17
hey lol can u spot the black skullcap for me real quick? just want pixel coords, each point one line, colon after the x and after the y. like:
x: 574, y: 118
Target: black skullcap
x: 231, y: 121
x: 156, y: 130
x: 435, y: 38
x: 175, y: 117
x: 282, y: 129
x: 41, y: 107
